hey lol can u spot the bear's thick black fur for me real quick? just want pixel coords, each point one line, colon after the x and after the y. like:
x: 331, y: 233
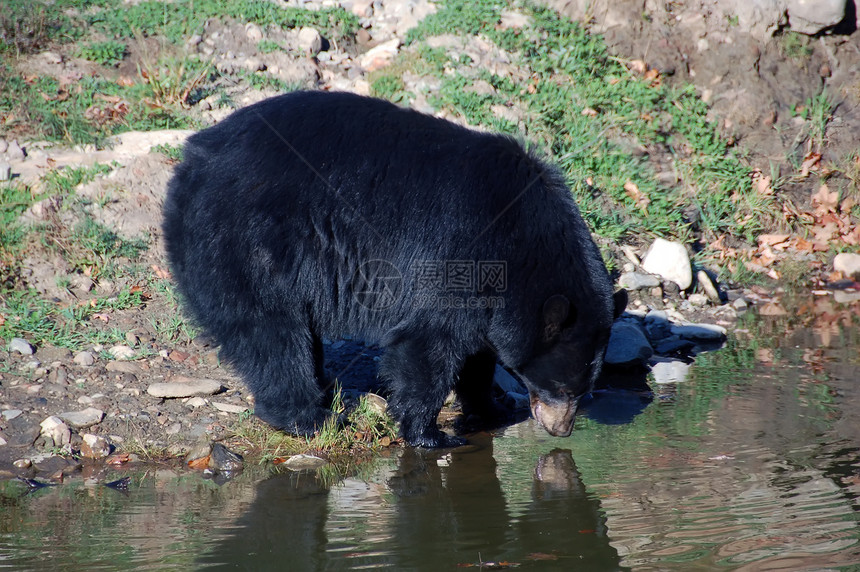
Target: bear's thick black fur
x: 317, y: 214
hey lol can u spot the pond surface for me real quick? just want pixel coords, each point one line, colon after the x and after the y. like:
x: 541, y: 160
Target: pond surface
x: 753, y: 463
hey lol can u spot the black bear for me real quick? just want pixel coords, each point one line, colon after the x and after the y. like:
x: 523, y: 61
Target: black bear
x: 320, y: 214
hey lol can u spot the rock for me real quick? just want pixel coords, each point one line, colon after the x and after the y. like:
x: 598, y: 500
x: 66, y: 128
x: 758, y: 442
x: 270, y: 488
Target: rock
x: 5, y: 171
x: 813, y: 16
x: 195, y: 402
x: 670, y: 371
x: 3, y: 441
x: 628, y: 346
x: 23, y: 463
x: 848, y: 264
x: 121, y: 352
x: 84, y: 418
x: 846, y: 296
x: 10, y: 414
x: 700, y: 332
x: 673, y: 345
x: 229, y: 407
x: 376, y: 403
x: 253, y: 32
x: 657, y: 325
x: 304, y: 462
x: 772, y: 309
x: 670, y: 261
x: 512, y: 19
x: 56, y: 432
x: 711, y: 290
x: 379, y: 56
x: 21, y: 346
x: 94, y: 446
x: 124, y: 367
x: 507, y: 382
x: 15, y: 152
x: 200, y: 450
x: 310, y: 41
x: 637, y: 281
x: 185, y: 387
x: 740, y: 305
x: 223, y: 460
x: 84, y: 358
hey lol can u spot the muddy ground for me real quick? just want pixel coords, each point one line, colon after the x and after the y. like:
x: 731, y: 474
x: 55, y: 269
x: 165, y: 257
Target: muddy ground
x: 753, y: 85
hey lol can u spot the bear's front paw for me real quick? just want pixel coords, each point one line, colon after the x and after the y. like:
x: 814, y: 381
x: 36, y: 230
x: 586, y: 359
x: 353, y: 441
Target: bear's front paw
x: 435, y: 439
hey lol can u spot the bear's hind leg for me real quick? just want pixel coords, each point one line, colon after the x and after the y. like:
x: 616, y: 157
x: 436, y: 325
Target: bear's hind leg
x: 281, y: 367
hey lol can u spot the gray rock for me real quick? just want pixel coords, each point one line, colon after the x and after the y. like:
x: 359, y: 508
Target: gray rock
x: 5, y: 171
x: 304, y: 462
x: 814, y: 16
x: 84, y: 358
x: 628, y: 346
x: 253, y: 32
x: 185, y: 387
x: 95, y: 446
x: 657, y: 325
x: 223, y: 460
x: 637, y: 281
x: 15, y: 152
x: 507, y: 382
x: 740, y: 305
x: 847, y: 263
x: 200, y: 450
x: 845, y: 296
x: 229, y: 407
x: 10, y: 414
x: 670, y: 261
x: 670, y: 371
x: 672, y: 345
x: 84, y: 418
x: 378, y: 404
x: 124, y: 367
x: 195, y: 402
x: 700, y: 332
x: 21, y: 346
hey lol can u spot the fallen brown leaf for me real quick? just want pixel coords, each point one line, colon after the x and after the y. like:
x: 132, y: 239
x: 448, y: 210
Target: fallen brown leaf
x: 825, y: 200
x: 199, y: 464
x: 641, y: 199
x: 810, y: 163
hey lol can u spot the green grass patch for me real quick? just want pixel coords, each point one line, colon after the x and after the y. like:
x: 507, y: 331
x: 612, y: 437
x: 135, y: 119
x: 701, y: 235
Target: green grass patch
x: 108, y: 53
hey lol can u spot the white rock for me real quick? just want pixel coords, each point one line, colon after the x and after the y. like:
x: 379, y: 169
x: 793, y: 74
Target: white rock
x: 229, y: 407
x: 5, y: 171
x: 185, y: 387
x: 379, y: 56
x: 82, y: 419
x: 253, y: 32
x: 121, y: 352
x: 21, y: 346
x: 709, y: 287
x: 84, y: 358
x: 670, y: 261
x: 813, y: 16
x: 310, y: 41
x: 377, y: 404
x: 847, y: 263
x: 195, y: 402
x: 56, y: 431
x: 670, y: 371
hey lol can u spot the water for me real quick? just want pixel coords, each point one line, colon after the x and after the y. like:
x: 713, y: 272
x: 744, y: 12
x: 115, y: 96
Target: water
x: 751, y: 464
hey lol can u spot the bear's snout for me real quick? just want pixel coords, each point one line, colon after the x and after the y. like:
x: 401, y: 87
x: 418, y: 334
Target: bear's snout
x: 556, y: 417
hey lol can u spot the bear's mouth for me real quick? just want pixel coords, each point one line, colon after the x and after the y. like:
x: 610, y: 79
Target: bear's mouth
x: 556, y: 417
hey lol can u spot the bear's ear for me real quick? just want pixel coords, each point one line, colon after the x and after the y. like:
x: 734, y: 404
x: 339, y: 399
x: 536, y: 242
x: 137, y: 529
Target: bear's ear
x: 556, y: 311
x: 620, y: 299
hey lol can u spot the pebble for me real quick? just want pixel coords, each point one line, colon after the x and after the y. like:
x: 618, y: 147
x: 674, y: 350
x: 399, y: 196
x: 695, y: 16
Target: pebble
x: 84, y: 418
x: 847, y: 263
x: 185, y: 388
x: 5, y: 171
x: 377, y: 404
x: 121, y: 352
x: 304, y: 462
x: 229, y: 407
x: 628, y: 346
x: 671, y: 261
x: 10, y: 414
x: 711, y: 290
x: 84, y: 358
x: 201, y: 450
x: 95, y: 446
x: 3, y: 441
x: 637, y: 281
x: 124, y: 367
x: 379, y: 56
x: 195, y: 402
x: 21, y: 346
x: 55, y: 431
x: 23, y: 463
x: 813, y: 16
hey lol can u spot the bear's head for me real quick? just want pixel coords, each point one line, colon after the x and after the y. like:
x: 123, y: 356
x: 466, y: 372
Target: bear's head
x: 567, y: 359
